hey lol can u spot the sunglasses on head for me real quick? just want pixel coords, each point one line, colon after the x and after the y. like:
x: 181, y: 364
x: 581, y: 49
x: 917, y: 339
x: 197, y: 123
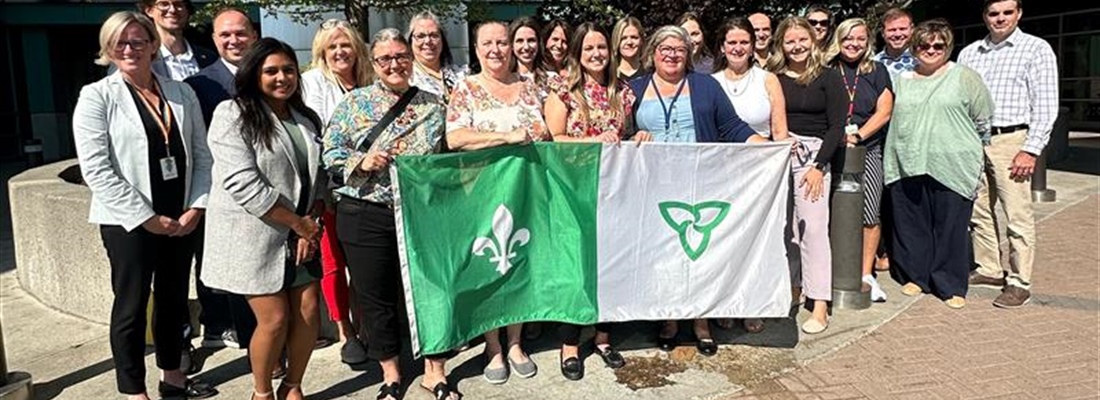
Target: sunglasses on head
x: 936, y: 46
x: 818, y: 22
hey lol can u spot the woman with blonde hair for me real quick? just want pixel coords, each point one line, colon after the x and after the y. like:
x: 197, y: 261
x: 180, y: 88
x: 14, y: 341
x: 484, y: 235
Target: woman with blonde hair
x: 870, y: 103
x: 341, y: 63
x: 627, y: 39
x: 141, y: 143
x: 816, y: 106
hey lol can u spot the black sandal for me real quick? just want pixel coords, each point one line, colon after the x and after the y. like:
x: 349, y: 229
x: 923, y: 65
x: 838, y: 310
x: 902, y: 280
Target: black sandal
x: 192, y: 389
x: 611, y: 357
x: 707, y: 347
x: 442, y: 391
x: 392, y: 390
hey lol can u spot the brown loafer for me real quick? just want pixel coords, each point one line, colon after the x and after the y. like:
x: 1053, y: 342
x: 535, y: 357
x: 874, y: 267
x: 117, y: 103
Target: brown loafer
x: 1013, y: 297
x: 979, y: 280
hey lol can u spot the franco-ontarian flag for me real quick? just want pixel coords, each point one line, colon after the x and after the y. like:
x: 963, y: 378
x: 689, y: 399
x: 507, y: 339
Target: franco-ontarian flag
x: 586, y: 233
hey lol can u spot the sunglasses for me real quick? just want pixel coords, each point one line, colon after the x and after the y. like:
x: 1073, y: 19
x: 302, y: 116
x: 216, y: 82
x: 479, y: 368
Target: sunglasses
x: 818, y: 22
x: 936, y: 46
x: 333, y: 23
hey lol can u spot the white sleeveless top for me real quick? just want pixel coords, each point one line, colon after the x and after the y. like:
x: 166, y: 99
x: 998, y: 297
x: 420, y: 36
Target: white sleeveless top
x: 750, y: 98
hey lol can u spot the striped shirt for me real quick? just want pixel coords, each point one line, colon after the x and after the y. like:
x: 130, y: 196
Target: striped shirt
x: 1022, y: 76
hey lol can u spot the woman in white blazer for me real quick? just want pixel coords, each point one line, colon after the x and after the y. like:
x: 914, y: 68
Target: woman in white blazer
x: 261, y: 228
x: 141, y: 143
x: 341, y: 63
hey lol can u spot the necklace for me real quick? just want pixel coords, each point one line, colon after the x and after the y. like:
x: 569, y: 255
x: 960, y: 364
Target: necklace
x: 739, y: 85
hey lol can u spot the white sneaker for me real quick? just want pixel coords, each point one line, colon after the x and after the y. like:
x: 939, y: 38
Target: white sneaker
x: 877, y: 295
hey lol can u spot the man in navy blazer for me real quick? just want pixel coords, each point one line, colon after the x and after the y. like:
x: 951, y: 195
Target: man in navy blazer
x: 227, y: 319
x: 177, y: 59
x: 233, y: 36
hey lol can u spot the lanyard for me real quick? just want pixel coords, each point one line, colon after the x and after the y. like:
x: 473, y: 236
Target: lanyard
x: 163, y: 117
x: 852, y: 89
x: 668, y: 110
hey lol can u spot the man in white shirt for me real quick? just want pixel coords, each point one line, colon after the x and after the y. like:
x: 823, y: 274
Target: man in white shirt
x: 1022, y: 75
x: 178, y: 58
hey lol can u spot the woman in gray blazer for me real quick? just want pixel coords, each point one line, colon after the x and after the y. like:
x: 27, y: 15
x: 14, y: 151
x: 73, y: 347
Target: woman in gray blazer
x: 262, y: 229
x: 141, y: 143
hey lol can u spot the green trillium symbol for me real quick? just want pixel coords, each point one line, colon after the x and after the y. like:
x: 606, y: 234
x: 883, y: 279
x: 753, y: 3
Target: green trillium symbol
x: 694, y: 223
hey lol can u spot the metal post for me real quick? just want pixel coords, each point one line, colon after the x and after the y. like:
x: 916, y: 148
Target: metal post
x: 14, y: 385
x: 1039, y: 191
x: 846, y: 233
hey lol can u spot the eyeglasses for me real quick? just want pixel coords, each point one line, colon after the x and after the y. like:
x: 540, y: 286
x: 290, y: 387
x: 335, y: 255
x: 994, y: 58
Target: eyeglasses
x: 333, y: 23
x: 401, y: 59
x: 165, y: 6
x: 935, y: 46
x: 135, y: 44
x: 420, y: 37
x: 669, y: 51
x: 818, y: 22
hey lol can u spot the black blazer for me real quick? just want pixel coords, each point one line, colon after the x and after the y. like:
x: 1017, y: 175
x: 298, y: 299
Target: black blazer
x: 212, y: 85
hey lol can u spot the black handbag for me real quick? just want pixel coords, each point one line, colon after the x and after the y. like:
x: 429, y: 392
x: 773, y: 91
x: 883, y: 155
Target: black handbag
x: 336, y: 175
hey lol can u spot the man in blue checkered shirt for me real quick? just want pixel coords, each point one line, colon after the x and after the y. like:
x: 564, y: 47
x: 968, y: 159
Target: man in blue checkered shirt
x: 1022, y: 75
x: 897, y: 27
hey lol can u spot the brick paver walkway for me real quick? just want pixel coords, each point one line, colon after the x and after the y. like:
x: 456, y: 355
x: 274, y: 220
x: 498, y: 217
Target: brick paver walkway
x: 1049, y: 349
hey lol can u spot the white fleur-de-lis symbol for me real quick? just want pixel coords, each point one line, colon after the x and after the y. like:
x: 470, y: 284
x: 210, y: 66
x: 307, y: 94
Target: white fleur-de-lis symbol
x: 504, y: 241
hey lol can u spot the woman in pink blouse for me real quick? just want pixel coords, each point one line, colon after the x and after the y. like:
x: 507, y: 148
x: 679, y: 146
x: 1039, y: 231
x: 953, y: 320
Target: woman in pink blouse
x: 588, y: 104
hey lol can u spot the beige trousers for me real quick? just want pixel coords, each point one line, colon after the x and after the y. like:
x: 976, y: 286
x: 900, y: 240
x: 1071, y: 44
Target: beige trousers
x: 996, y: 185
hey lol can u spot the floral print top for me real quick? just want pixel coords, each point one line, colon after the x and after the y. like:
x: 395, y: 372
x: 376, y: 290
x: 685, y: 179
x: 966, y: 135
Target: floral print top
x: 416, y: 131
x: 601, y: 118
x: 452, y: 75
x: 473, y: 106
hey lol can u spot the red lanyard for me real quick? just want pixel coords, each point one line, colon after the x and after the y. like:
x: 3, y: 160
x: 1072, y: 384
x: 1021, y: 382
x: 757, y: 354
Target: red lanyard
x: 851, y: 92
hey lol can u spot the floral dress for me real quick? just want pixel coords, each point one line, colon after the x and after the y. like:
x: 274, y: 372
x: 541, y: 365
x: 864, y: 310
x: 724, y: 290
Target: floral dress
x: 601, y: 118
x: 473, y: 106
x: 452, y: 75
x: 415, y: 131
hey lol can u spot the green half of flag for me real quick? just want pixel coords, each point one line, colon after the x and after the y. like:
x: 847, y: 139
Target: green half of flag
x: 516, y: 241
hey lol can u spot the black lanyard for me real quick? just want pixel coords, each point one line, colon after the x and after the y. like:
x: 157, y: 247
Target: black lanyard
x: 668, y: 110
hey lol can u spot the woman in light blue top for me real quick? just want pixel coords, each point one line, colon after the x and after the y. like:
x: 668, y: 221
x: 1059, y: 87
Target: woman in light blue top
x: 677, y: 105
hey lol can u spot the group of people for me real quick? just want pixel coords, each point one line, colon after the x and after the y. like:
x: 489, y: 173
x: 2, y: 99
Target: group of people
x: 274, y: 183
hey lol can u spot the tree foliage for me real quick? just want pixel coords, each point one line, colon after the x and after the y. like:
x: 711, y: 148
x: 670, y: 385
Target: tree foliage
x: 357, y: 12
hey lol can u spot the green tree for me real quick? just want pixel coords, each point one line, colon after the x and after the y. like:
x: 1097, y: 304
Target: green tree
x: 357, y: 12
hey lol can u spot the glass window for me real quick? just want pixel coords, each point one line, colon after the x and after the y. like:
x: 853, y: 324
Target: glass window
x: 1043, y: 26
x: 1083, y: 22
x: 1080, y: 56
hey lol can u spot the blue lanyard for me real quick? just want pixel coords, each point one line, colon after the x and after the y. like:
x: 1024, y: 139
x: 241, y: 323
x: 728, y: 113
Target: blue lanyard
x: 667, y: 110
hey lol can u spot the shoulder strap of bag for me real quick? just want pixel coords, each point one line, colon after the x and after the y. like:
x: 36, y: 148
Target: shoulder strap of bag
x: 391, y: 115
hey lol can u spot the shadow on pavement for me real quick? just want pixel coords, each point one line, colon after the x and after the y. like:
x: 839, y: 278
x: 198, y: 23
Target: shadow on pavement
x: 52, y: 389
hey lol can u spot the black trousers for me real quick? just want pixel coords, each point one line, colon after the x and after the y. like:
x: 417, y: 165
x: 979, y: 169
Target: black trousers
x: 930, y: 238
x: 140, y: 259
x: 369, y: 238
x: 221, y: 311
x: 570, y: 334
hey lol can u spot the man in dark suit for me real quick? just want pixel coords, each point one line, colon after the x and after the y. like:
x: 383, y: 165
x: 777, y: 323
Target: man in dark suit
x: 178, y: 59
x: 227, y: 319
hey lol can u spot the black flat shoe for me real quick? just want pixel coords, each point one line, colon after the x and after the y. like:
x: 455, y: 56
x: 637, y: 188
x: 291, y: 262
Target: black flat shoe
x: 707, y: 347
x: 572, y: 369
x: 353, y: 352
x: 392, y: 390
x: 611, y: 357
x: 666, y: 344
x: 192, y: 390
x: 442, y: 391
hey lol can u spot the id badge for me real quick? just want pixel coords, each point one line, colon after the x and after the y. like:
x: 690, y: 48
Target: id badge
x: 168, y: 168
x: 851, y: 129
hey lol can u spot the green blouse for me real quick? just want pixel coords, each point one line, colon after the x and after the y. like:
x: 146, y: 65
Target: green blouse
x: 937, y: 129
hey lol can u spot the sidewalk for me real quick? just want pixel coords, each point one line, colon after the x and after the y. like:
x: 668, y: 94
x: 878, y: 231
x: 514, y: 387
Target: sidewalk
x: 1046, y: 350
x: 905, y: 348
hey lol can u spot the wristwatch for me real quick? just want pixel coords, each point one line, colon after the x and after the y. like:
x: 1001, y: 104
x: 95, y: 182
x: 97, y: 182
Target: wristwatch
x: 819, y: 166
x: 859, y: 138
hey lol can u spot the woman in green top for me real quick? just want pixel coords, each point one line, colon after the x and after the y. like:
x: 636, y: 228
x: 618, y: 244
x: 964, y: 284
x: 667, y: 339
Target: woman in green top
x: 933, y: 161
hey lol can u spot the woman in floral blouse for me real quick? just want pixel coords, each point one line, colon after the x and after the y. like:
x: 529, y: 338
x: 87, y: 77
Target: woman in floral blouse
x: 434, y: 69
x: 589, y: 104
x: 494, y: 108
x: 365, y: 220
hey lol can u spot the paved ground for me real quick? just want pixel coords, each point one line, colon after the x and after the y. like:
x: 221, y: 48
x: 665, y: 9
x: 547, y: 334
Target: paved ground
x: 1047, y: 350
x: 905, y: 348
